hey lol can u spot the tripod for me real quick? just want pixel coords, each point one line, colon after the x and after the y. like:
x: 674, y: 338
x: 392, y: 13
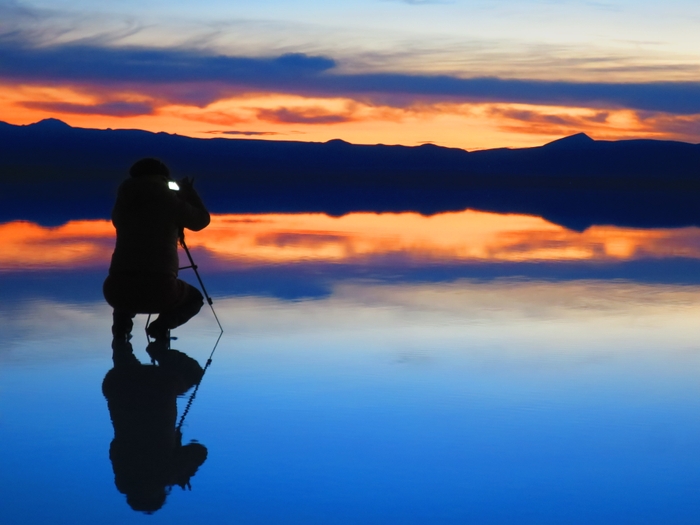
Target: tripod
x: 199, y: 278
x: 196, y: 272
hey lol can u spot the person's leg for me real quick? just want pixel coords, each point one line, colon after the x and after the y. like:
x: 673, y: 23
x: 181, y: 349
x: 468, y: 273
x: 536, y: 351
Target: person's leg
x: 189, y: 302
x: 123, y: 355
x: 122, y: 323
x: 122, y: 315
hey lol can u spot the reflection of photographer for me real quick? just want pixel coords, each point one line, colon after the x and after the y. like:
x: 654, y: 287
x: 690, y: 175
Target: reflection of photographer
x: 147, y: 455
x: 150, y: 217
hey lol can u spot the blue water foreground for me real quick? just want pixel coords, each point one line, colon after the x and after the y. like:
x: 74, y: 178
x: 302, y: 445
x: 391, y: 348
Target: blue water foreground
x: 509, y: 399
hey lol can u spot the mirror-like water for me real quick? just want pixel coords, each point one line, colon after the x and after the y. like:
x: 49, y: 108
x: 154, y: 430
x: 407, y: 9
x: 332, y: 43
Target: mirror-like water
x: 464, y: 368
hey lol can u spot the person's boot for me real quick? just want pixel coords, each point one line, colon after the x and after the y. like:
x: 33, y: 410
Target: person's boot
x: 158, y: 331
x: 157, y: 349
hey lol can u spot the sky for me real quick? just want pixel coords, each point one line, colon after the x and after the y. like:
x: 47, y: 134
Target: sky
x: 468, y: 74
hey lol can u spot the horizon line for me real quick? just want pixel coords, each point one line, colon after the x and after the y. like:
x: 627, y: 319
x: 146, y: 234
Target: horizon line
x: 257, y: 137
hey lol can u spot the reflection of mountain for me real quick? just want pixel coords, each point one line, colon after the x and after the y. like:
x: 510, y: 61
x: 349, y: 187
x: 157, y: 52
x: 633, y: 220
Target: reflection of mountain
x: 50, y: 170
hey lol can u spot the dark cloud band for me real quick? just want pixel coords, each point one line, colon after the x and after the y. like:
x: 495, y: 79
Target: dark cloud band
x: 193, y: 77
x: 296, y: 116
x: 113, y: 109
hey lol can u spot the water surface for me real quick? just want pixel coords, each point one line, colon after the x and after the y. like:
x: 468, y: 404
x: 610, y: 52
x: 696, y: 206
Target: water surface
x: 374, y: 369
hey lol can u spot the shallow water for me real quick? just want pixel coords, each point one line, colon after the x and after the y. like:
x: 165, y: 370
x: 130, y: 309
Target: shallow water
x: 374, y: 371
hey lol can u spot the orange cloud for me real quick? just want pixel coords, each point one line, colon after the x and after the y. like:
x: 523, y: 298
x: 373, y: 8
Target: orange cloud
x: 600, y: 124
x: 278, y: 116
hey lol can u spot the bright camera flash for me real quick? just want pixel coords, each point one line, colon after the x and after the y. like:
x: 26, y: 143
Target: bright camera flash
x: 173, y: 185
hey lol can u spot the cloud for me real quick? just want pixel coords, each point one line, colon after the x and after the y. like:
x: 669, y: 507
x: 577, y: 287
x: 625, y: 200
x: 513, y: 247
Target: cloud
x: 175, y: 75
x: 670, y: 97
x: 194, y: 77
x: 244, y: 133
x: 557, y: 124
x: 301, y: 116
x: 602, y: 125
x: 161, y: 66
x: 685, y: 128
x: 112, y: 109
x: 45, y: 26
x: 536, y: 117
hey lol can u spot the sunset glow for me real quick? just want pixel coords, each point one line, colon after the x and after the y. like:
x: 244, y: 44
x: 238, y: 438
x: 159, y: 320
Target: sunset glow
x: 358, y: 238
x: 472, y: 75
x: 272, y: 117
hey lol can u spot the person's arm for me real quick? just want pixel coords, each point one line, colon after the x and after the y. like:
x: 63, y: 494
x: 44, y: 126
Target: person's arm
x: 192, y: 214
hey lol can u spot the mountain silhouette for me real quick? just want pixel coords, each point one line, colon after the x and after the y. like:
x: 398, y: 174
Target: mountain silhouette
x: 52, y: 124
x: 51, y: 172
x: 577, y: 141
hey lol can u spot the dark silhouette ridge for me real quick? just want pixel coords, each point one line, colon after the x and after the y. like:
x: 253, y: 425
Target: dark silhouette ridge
x: 51, y: 173
x: 52, y: 123
x: 338, y: 142
x: 577, y: 141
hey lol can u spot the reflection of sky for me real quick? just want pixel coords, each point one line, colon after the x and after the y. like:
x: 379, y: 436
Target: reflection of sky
x: 359, y: 238
x: 385, y: 396
x: 613, y: 69
x: 508, y: 401
x: 391, y: 397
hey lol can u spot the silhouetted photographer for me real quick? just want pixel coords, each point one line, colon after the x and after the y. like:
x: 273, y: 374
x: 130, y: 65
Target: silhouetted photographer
x: 147, y: 454
x: 150, y: 215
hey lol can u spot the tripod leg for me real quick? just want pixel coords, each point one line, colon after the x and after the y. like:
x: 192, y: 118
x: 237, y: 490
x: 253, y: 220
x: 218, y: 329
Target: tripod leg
x: 201, y: 283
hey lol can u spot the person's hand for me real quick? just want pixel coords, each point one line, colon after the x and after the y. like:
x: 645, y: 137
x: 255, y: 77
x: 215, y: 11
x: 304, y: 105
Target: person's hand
x: 186, y: 184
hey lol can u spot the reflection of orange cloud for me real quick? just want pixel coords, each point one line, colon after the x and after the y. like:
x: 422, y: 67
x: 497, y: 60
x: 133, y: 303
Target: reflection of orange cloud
x: 80, y: 243
x: 462, y: 236
x: 359, y: 238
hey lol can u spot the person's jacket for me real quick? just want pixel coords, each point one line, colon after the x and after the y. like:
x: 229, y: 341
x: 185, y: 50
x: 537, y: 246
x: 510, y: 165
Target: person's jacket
x: 149, y: 217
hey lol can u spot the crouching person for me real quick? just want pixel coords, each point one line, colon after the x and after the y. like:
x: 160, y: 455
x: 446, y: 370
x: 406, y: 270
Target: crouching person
x: 149, y: 218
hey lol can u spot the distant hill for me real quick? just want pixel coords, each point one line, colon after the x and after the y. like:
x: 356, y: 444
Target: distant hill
x: 51, y: 172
